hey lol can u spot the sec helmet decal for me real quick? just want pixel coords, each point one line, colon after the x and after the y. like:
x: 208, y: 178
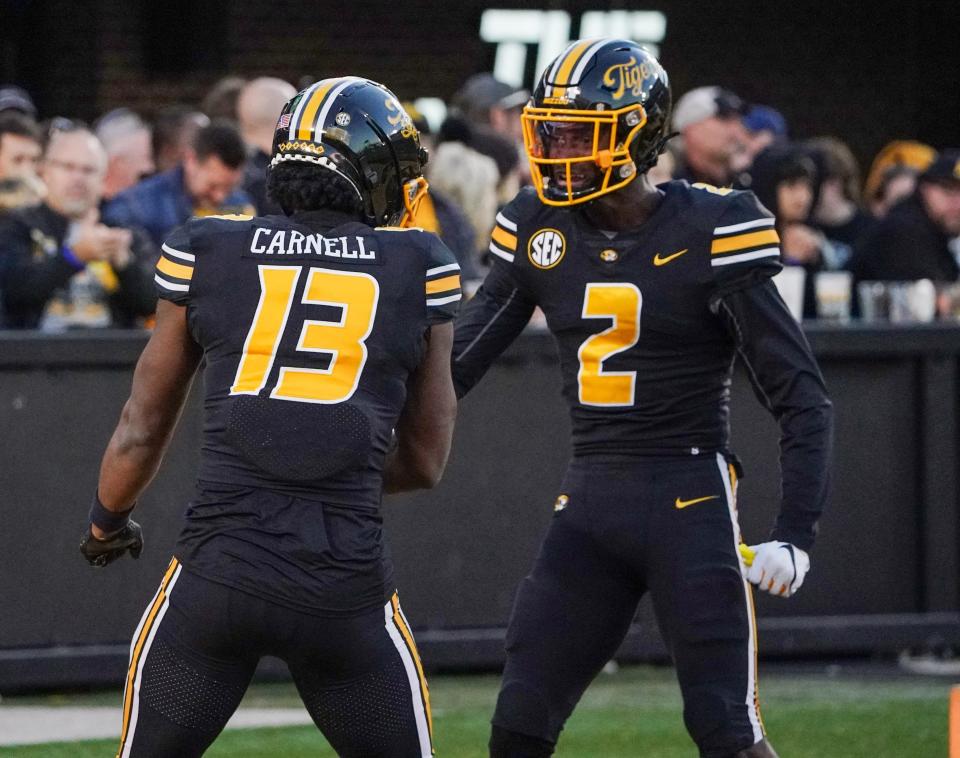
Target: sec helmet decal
x: 546, y: 248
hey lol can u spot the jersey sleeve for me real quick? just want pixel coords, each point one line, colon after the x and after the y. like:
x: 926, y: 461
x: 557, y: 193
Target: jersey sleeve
x: 442, y: 282
x: 787, y: 381
x: 498, y: 312
x: 174, y: 270
x: 745, y: 246
x: 503, y: 239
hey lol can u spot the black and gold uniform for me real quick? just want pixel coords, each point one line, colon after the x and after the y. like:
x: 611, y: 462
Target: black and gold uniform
x: 648, y: 323
x: 310, y: 327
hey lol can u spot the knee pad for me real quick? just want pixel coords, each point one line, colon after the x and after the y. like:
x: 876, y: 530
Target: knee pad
x: 522, y: 709
x: 507, y: 744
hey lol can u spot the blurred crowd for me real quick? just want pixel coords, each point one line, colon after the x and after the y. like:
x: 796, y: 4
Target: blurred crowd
x: 84, y: 208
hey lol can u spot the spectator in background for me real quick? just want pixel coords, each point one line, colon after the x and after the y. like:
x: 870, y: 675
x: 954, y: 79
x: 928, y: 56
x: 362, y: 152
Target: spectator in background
x: 18, y: 100
x: 469, y: 179
x: 126, y: 138
x: 174, y: 131
x: 783, y: 179
x: 711, y: 135
x: 19, y: 156
x: 61, y: 267
x: 503, y: 152
x: 836, y: 210
x: 438, y: 213
x: 221, y: 101
x: 896, y: 183
x: 893, y: 174
x: 19, y: 146
x: 913, y: 240
x: 763, y: 126
x: 485, y: 101
x: 258, y: 109
x: 204, y: 184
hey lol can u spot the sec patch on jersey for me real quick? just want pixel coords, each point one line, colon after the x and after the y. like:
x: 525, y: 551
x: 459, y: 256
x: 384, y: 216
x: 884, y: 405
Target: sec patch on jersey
x: 546, y: 248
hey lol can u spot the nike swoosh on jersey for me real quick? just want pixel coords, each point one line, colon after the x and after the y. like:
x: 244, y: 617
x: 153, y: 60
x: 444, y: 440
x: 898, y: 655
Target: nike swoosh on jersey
x: 684, y: 503
x: 660, y: 261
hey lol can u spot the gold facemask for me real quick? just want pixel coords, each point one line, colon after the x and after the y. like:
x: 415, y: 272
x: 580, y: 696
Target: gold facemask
x: 413, y: 193
x: 610, y: 151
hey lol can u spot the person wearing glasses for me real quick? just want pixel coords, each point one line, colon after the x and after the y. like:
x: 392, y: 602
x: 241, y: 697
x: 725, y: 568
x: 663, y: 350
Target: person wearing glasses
x: 60, y: 266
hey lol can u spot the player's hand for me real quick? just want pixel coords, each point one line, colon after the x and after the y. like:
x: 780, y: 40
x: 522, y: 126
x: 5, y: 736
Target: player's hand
x: 776, y: 567
x: 100, y: 552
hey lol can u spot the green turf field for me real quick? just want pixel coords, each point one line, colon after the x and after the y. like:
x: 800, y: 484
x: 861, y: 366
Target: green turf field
x: 815, y: 713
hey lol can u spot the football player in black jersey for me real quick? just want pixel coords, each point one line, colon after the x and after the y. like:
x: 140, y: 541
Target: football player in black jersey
x: 326, y: 335
x: 650, y: 294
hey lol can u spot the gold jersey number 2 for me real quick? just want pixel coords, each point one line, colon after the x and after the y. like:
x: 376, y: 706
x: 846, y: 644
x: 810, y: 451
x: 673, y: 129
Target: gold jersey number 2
x: 355, y: 294
x: 622, y: 303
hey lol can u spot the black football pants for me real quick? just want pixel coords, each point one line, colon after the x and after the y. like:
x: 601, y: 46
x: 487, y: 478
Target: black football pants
x: 198, y: 645
x: 667, y: 526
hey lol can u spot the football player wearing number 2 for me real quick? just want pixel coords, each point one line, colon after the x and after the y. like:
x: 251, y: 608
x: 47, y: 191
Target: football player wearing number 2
x: 325, y: 332
x: 650, y: 293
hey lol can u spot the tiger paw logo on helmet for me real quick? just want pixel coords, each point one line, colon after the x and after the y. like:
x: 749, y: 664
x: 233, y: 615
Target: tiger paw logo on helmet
x: 598, y: 118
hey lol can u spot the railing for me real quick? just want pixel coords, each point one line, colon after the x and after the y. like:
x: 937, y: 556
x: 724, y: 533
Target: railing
x: 886, y: 568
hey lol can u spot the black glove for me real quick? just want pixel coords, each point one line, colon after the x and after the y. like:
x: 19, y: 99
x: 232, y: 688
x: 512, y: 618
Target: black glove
x: 101, y: 552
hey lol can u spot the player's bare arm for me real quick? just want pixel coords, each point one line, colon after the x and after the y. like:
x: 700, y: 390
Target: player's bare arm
x: 425, y: 427
x: 160, y: 386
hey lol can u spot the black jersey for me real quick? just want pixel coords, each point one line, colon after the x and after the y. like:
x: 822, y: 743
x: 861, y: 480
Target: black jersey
x: 648, y: 322
x: 310, y: 327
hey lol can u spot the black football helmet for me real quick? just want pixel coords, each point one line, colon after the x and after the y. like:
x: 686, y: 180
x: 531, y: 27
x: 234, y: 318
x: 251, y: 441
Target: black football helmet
x: 598, y: 117
x: 357, y: 129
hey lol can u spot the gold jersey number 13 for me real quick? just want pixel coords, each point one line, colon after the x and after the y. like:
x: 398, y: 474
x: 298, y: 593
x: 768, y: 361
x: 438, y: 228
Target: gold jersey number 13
x: 356, y: 294
x: 622, y: 303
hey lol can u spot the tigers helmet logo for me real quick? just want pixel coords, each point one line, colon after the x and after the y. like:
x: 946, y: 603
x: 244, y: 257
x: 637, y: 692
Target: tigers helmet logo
x: 546, y: 248
x: 624, y: 77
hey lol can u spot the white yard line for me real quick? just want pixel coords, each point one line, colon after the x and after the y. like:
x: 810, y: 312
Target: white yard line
x: 35, y: 725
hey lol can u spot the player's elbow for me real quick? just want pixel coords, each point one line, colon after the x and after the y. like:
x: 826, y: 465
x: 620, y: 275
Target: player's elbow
x: 140, y: 427
x: 427, y: 466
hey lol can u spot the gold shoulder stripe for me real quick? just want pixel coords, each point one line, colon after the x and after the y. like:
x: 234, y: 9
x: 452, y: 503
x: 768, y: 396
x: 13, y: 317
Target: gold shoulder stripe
x: 504, y: 238
x: 444, y: 284
x: 177, y: 270
x: 743, y: 241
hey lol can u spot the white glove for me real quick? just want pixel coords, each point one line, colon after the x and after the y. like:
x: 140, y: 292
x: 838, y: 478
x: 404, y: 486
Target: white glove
x: 776, y: 567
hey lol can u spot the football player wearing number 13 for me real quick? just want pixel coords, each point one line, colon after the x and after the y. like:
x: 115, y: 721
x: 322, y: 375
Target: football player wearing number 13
x: 322, y: 330
x: 650, y: 292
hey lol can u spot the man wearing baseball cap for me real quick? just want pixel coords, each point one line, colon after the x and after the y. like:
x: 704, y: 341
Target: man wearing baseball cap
x: 913, y: 240
x: 486, y: 100
x: 13, y: 98
x: 709, y: 120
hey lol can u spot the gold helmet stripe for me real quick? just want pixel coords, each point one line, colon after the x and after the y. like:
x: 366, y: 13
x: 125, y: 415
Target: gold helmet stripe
x: 339, y: 86
x: 585, y: 58
x: 560, y: 59
x: 309, y: 113
x: 563, y: 75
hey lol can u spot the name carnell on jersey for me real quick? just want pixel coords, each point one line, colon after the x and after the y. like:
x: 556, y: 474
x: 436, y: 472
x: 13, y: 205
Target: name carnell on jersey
x: 646, y: 360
